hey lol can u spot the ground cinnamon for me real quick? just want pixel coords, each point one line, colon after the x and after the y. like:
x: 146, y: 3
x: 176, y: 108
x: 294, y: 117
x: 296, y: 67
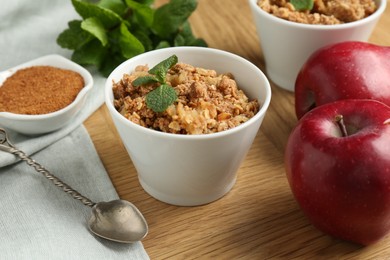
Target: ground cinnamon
x: 39, y: 90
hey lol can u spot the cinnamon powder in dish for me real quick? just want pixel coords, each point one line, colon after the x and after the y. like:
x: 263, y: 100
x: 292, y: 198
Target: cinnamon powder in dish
x: 39, y: 90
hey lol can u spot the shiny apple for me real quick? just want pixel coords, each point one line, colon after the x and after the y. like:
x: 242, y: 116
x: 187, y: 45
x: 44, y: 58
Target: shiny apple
x: 347, y: 70
x: 337, y: 162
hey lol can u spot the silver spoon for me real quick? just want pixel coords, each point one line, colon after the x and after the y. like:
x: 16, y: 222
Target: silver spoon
x: 116, y: 220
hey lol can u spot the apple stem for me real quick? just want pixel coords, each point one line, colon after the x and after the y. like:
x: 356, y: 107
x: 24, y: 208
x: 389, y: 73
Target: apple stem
x: 340, y: 122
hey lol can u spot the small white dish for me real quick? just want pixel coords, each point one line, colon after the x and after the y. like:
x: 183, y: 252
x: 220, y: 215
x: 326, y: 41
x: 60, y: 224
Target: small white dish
x: 45, y: 123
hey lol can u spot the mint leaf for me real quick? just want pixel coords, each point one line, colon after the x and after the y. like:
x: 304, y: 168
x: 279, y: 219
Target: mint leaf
x: 169, y: 17
x: 110, y: 61
x: 129, y: 44
x: 143, y: 13
x: 162, y: 44
x: 186, y: 38
x: 197, y: 42
x: 107, y: 17
x: 116, y: 6
x: 74, y: 37
x: 92, y: 53
x: 161, y: 98
x: 161, y: 69
x: 144, y: 80
x: 145, y: 2
x: 95, y: 27
x: 302, y: 5
x: 144, y: 38
x: 179, y: 40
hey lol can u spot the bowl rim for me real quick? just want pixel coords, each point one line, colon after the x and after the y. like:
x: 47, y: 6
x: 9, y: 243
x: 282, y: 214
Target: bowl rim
x: 374, y: 16
x: 261, y: 113
x: 52, y: 58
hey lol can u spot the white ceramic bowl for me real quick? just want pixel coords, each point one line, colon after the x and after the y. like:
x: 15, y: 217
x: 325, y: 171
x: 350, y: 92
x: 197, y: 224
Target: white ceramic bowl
x: 189, y: 170
x: 44, y: 123
x: 287, y: 45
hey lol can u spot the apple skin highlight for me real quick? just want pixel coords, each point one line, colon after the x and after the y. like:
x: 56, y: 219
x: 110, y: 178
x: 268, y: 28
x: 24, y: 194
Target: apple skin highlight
x: 342, y: 183
x: 347, y: 70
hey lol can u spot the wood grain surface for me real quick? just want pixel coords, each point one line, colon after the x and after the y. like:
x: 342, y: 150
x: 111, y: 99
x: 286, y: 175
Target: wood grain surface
x: 259, y: 218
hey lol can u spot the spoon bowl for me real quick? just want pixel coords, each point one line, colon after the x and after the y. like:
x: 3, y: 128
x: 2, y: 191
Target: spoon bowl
x: 118, y: 220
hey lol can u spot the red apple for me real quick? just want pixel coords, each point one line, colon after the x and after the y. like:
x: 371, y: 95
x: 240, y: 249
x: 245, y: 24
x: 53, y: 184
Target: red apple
x: 347, y: 70
x: 341, y: 178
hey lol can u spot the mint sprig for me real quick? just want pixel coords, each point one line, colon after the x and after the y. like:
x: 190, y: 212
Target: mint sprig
x: 164, y: 95
x: 302, y: 5
x: 161, y: 98
x: 161, y: 69
x: 112, y: 31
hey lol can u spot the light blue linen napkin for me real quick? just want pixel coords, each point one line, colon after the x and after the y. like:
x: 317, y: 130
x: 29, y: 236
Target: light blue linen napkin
x: 40, y: 221
x: 37, y: 220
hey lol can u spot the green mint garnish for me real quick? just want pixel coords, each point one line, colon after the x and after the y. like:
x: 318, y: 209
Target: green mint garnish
x: 144, y: 81
x: 163, y: 96
x: 161, y: 69
x: 302, y: 5
x: 112, y: 31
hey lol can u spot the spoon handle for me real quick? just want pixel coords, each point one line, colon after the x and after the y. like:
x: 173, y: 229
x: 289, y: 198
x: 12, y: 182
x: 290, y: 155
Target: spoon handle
x: 7, y: 146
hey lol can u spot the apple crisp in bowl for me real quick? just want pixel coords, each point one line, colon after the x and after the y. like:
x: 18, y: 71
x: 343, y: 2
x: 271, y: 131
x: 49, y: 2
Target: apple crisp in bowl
x: 289, y: 38
x: 207, y: 102
x: 326, y: 12
x: 180, y: 154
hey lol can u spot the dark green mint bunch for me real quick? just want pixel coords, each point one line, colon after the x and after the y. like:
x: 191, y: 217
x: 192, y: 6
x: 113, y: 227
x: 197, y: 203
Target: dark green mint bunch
x: 112, y: 31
